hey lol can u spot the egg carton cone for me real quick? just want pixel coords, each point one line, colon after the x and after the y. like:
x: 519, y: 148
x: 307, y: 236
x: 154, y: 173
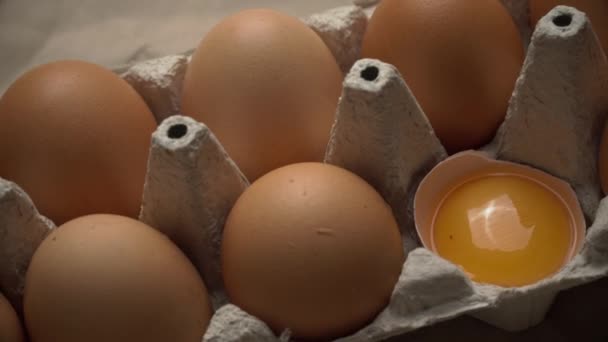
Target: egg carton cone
x: 190, y: 187
x: 22, y: 229
x: 553, y: 123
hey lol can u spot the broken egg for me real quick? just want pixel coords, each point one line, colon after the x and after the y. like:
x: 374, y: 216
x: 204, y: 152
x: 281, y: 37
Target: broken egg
x: 505, y: 224
x: 596, y: 10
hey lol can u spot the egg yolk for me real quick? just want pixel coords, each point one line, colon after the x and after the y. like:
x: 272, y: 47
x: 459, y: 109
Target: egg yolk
x: 505, y: 230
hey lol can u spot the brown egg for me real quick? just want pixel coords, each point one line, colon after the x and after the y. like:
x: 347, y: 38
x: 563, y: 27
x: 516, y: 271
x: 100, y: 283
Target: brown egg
x: 75, y: 136
x: 313, y: 248
x: 267, y: 86
x: 10, y: 328
x: 112, y: 278
x: 460, y: 59
x: 597, y: 10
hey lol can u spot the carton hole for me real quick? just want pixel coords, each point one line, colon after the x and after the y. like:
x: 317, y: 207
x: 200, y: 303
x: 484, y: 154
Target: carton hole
x: 177, y: 131
x: 370, y: 73
x: 562, y: 20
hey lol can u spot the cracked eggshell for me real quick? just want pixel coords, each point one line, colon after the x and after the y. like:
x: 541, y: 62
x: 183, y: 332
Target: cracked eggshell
x: 528, y: 254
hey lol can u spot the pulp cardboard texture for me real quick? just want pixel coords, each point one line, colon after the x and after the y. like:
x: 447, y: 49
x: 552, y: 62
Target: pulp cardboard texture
x: 190, y: 188
x: 553, y: 123
x: 22, y: 229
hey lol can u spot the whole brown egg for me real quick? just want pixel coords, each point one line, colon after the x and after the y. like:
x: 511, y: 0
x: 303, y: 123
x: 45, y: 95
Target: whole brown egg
x: 597, y: 10
x: 312, y: 248
x: 460, y: 59
x: 267, y: 86
x: 75, y: 137
x: 102, y: 278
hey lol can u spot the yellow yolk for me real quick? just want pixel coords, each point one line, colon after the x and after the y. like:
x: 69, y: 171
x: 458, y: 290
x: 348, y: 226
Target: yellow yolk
x: 505, y: 230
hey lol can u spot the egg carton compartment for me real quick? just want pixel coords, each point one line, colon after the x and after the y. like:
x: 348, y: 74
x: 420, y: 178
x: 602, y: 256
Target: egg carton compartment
x: 553, y: 123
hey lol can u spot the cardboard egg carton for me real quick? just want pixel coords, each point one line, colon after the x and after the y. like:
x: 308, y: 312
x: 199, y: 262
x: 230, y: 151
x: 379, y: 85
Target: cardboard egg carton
x: 554, y: 122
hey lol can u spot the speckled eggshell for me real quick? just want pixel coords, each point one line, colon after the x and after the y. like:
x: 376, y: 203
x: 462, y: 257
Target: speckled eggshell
x: 312, y: 248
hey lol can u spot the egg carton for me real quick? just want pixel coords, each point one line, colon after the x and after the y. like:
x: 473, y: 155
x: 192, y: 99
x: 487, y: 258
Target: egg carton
x: 553, y: 123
